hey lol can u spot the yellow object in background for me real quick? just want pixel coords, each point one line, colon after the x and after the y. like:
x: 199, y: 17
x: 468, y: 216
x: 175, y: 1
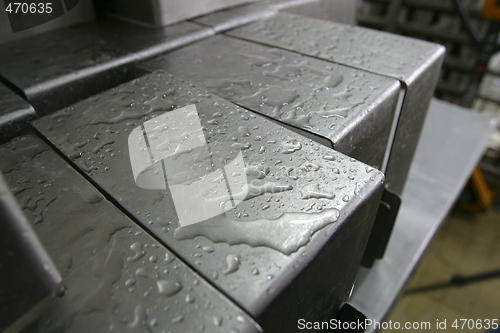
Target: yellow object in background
x: 491, y: 10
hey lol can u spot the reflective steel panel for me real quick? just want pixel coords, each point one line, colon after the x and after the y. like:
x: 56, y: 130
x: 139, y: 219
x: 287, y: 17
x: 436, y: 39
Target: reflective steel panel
x: 348, y: 109
x: 290, y: 249
x: 116, y: 275
x: 415, y: 63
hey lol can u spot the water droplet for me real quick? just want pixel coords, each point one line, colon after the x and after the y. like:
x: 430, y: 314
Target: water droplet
x: 258, y: 171
x: 241, y: 146
x: 233, y: 262
x: 217, y: 320
x: 169, y: 258
x: 313, y: 191
x: 208, y: 249
x: 105, y: 142
x: 296, y: 230
x: 309, y: 166
x: 244, y: 131
x: 129, y: 282
x: 142, y: 272
x: 140, y: 315
x: 138, y: 252
x: 177, y: 319
x: 290, y: 145
x: 168, y: 288
x: 357, y: 189
x: 154, y: 322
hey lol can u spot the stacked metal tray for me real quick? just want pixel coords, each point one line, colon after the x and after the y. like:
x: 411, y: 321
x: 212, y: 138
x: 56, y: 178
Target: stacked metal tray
x: 346, y: 109
x: 232, y: 186
x: 61, y: 67
x: 271, y: 253
x: 415, y: 63
x: 116, y: 276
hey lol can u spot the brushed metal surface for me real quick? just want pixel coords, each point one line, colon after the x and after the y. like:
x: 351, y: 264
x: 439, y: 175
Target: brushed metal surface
x: 117, y: 277
x: 348, y: 109
x: 56, y: 69
x: 414, y: 62
x: 15, y: 114
x: 274, y: 253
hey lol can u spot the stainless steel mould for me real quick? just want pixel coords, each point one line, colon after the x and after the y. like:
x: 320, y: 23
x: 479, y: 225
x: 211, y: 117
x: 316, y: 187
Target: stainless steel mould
x: 276, y: 194
x: 344, y: 108
x: 116, y: 275
x: 271, y: 253
x: 56, y: 69
x: 414, y: 62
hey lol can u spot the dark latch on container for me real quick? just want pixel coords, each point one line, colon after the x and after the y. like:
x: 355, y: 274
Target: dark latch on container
x: 382, y: 227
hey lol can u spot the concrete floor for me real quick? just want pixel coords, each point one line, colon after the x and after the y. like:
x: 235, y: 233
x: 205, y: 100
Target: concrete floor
x: 466, y: 244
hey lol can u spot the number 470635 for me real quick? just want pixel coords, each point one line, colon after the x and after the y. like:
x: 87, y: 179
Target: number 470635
x: 29, y: 8
x: 475, y: 324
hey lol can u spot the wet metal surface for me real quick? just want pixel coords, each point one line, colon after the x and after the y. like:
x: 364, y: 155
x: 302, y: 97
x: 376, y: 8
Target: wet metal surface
x: 352, y: 109
x: 290, y: 250
x: 29, y: 280
x: 58, y: 68
x: 15, y: 113
x: 116, y: 275
x: 414, y: 62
